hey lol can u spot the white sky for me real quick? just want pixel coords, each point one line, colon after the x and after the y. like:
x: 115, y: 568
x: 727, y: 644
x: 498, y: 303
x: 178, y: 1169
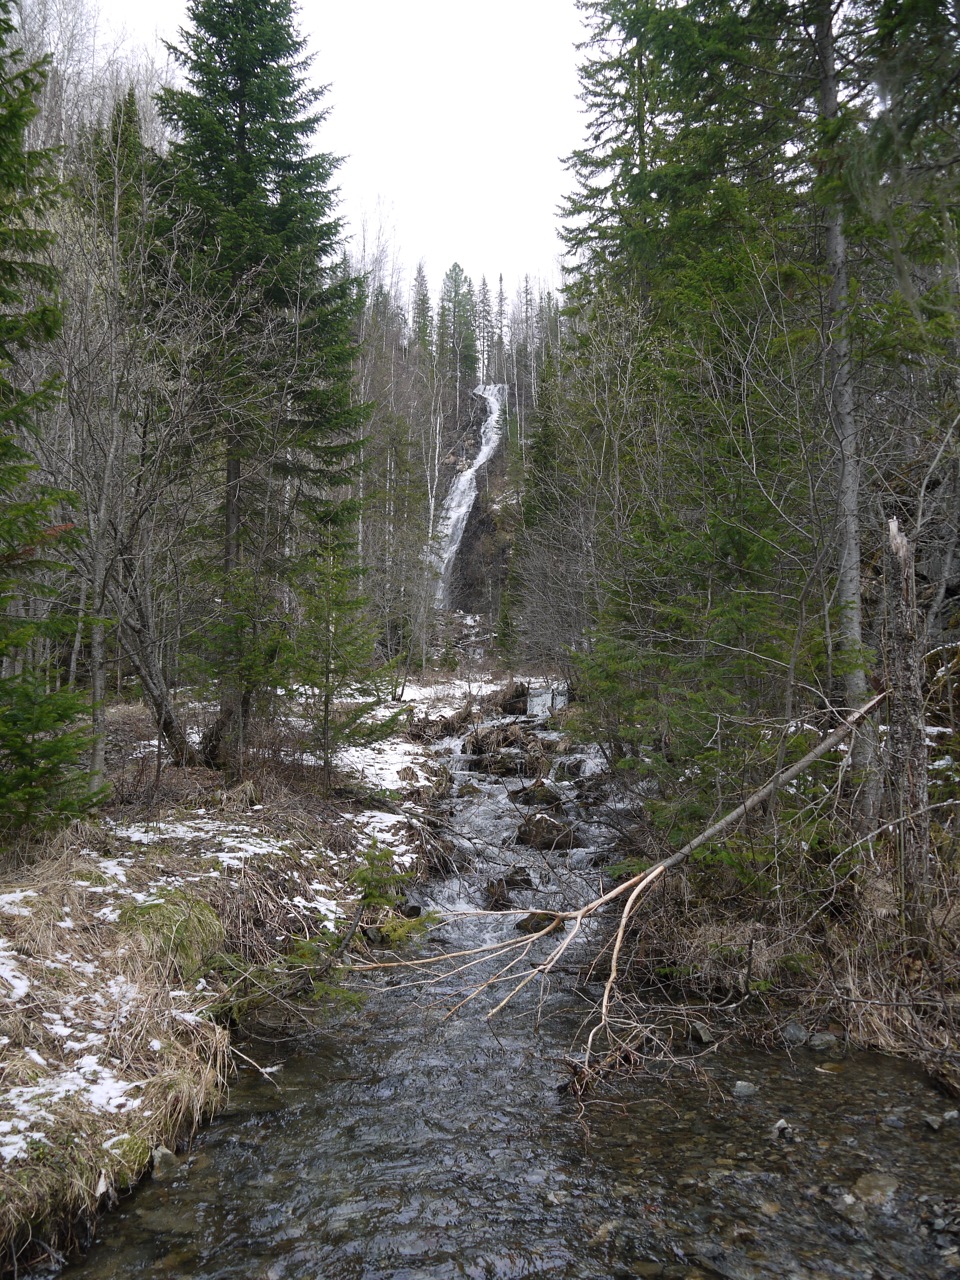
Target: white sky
x: 452, y: 117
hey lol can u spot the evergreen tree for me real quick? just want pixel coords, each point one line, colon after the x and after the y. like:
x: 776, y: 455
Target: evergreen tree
x: 457, y: 335
x: 421, y: 311
x: 41, y: 781
x: 267, y: 243
x: 484, y: 329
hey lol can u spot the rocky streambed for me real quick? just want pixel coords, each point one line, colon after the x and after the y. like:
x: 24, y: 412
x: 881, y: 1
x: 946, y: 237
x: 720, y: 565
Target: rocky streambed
x: 405, y: 1142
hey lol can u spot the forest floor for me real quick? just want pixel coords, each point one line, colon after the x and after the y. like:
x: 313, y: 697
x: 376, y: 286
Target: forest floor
x: 130, y: 945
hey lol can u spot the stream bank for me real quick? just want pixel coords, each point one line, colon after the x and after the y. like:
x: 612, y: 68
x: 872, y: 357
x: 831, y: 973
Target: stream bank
x: 407, y: 1144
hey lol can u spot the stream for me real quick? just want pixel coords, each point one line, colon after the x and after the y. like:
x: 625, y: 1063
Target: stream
x: 405, y: 1143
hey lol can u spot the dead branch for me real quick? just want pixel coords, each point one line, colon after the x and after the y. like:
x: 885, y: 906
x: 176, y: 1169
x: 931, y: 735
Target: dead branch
x: 633, y: 889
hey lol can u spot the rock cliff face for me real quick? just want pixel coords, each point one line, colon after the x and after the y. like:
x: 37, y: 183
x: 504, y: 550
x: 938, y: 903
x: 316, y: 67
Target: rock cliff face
x: 480, y: 568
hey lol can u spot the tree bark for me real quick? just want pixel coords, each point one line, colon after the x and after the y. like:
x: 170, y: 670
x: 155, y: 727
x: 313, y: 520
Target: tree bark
x: 907, y: 739
x: 839, y: 387
x: 182, y: 752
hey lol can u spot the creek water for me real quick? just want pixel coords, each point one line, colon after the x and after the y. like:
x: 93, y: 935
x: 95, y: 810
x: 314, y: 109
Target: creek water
x: 402, y: 1143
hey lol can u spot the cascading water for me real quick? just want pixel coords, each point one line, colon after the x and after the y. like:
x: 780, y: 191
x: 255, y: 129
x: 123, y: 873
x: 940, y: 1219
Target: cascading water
x: 404, y: 1143
x: 463, y: 492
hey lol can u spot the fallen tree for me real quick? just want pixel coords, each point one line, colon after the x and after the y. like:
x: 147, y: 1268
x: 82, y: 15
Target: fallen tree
x: 631, y: 891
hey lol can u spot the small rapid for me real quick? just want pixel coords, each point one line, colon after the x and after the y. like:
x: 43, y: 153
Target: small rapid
x: 407, y: 1142
x: 463, y: 492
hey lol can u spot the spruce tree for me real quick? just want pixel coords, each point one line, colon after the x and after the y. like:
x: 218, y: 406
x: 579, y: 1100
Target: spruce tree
x: 421, y: 312
x: 41, y: 780
x: 457, y: 335
x: 267, y: 245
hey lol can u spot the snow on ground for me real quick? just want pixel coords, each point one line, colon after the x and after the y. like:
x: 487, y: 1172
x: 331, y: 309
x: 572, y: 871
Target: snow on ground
x: 67, y: 994
x: 447, y: 697
x: 11, y: 974
x: 389, y: 765
x: 393, y: 832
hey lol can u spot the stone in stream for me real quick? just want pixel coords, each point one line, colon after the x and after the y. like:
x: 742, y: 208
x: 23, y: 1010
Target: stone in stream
x: 822, y: 1040
x: 702, y: 1033
x: 165, y: 1164
x: 539, y: 794
x: 744, y: 1089
x: 542, y: 832
x: 517, y: 878
x: 568, y: 770
x: 496, y: 896
x: 795, y: 1035
x: 537, y: 921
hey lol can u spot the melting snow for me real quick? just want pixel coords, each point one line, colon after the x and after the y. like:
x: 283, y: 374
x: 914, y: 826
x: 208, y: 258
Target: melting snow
x: 380, y: 765
x: 10, y: 972
x: 10, y: 903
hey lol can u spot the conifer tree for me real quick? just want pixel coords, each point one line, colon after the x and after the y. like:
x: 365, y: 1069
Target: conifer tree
x: 457, y: 334
x: 267, y: 245
x: 421, y: 311
x: 40, y: 747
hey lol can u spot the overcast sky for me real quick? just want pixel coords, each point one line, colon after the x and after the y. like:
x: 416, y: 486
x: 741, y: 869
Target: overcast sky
x: 452, y: 118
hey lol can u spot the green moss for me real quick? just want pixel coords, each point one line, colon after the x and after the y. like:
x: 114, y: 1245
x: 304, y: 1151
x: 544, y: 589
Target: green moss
x: 178, y: 926
x: 91, y: 877
x: 128, y: 1156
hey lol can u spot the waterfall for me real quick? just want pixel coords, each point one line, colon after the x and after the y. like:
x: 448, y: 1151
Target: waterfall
x: 463, y: 493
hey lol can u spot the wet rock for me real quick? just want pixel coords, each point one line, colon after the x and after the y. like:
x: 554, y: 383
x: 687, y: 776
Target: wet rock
x: 165, y: 1164
x: 795, y: 1035
x: 501, y: 764
x: 851, y: 1208
x: 539, y: 794
x: 543, y: 832
x: 822, y: 1040
x: 875, y: 1188
x: 949, y: 1116
x: 932, y: 1122
x: 537, y: 921
x: 744, y: 1089
x: 700, y: 1032
x: 497, y: 896
x: 568, y: 770
x: 518, y: 878
x: 780, y: 1130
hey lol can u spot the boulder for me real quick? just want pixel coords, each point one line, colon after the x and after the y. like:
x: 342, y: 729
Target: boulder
x: 541, y: 831
x: 539, y: 794
x: 518, y: 878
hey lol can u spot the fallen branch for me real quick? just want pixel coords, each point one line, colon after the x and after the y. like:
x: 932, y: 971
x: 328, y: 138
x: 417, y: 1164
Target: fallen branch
x: 632, y: 888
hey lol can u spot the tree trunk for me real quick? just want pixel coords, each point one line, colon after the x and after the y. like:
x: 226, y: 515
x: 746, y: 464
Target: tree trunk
x: 839, y: 387
x: 182, y: 752
x: 907, y: 741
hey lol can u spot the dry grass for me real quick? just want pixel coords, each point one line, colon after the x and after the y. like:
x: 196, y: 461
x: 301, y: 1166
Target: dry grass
x: 127, y: 948
x: 747, y: 961
x: 98, y: 992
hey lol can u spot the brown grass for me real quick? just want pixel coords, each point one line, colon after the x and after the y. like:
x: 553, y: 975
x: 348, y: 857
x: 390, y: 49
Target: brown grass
x: 155, y: 966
